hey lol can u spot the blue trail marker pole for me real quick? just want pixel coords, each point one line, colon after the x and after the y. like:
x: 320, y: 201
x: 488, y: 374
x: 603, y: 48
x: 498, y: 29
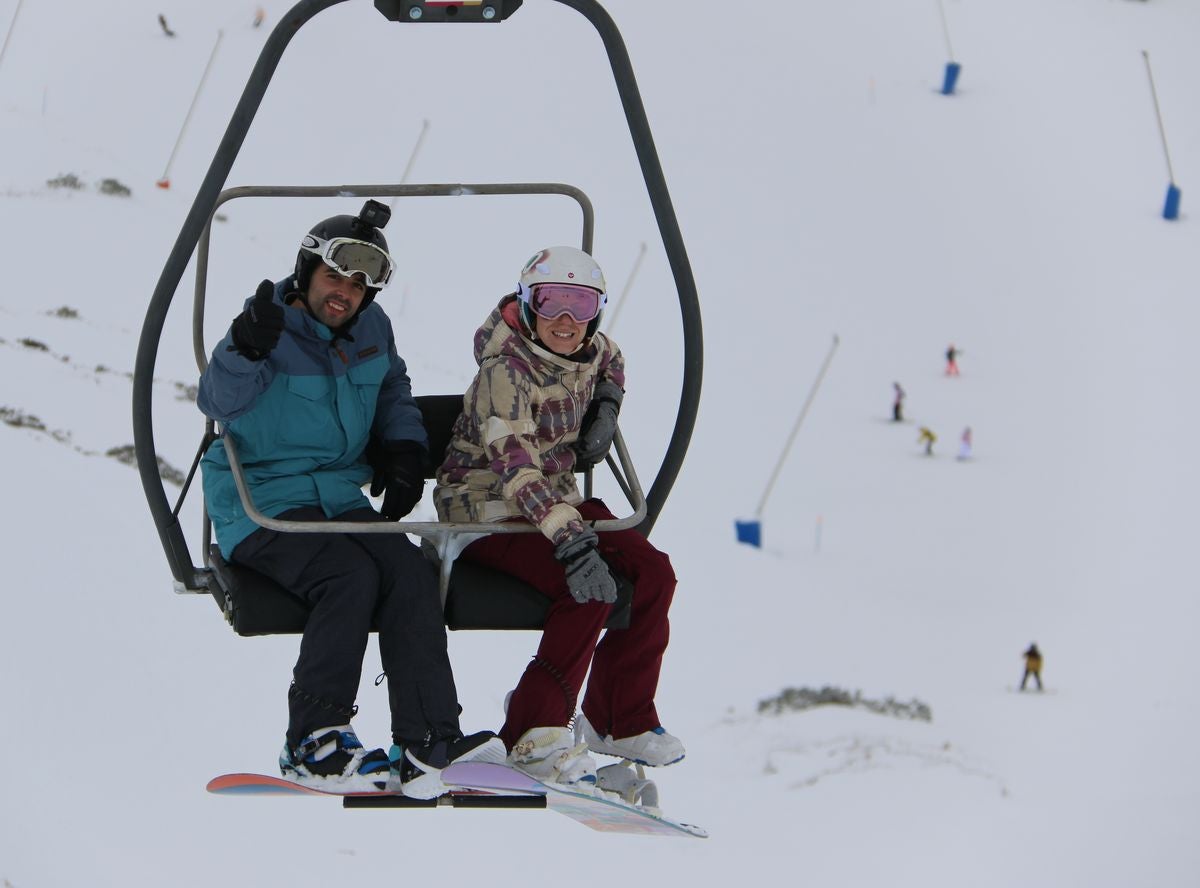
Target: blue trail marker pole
x: 751, y: 531
x: 1171, y: 205
x: 950, y: 80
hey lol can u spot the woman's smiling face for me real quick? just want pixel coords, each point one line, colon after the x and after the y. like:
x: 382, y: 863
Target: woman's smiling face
x: 563, y: 335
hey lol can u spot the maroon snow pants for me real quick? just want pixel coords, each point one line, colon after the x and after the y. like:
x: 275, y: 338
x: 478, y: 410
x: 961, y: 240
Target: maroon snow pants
x: 625, y: 664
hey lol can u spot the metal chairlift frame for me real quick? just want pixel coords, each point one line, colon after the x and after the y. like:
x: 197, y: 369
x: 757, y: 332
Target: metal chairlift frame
x: 448, y: 538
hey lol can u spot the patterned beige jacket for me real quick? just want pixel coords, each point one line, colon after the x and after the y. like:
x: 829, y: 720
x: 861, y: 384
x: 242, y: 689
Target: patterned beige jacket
x: 510, y: 455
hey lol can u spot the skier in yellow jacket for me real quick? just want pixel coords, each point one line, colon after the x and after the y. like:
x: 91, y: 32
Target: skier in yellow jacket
x: 1033, y: 666
x: 928, y: 438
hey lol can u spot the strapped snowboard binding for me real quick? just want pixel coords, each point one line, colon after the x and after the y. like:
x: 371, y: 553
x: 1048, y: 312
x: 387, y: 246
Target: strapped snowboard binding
x: 629, y: 782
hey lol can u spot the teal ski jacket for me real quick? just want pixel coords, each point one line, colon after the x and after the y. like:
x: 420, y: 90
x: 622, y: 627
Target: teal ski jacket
x: 301, y: 417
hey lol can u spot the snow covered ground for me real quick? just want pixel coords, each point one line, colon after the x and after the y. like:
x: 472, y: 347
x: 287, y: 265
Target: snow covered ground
x: 823, y: 187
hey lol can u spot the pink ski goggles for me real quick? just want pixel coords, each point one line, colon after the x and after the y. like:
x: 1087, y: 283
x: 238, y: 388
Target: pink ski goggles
x: 552, y: 300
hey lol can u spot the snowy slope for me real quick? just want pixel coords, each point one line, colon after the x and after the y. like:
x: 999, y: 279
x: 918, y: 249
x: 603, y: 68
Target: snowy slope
x: 823, y: 187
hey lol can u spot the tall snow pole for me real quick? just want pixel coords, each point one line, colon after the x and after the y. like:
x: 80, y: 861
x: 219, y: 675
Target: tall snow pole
x: 165, y: 181
x: 8, y: 34
x: 412, y: 158
x: 1171, y: 206
x: 637, y: 263
x: 751, y: 531
x: 952, y: 67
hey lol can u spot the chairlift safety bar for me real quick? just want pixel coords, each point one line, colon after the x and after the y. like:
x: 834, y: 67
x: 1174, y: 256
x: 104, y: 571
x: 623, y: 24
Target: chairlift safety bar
x: 448, y: 538
x: 447, y: 190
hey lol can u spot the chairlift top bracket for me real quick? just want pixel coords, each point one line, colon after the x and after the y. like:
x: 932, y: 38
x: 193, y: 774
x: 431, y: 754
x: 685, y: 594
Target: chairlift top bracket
x: 425, y: 11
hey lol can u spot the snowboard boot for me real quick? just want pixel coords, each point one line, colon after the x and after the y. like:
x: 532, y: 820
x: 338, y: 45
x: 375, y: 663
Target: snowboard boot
x: 333, y: 759
x: 653, y: 748
x: 552, y: 755
x: 417, y: 768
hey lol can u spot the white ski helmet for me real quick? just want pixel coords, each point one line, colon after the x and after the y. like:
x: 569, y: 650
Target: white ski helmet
x: 560, y: 265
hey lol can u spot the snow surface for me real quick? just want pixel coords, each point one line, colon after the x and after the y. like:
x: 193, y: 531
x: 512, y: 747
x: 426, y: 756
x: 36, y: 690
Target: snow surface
x: 823, y: 187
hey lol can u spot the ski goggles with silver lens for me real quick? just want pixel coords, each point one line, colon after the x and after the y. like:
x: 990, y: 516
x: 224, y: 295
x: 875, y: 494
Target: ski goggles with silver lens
x: 551, y: 300
x: 350, y: 256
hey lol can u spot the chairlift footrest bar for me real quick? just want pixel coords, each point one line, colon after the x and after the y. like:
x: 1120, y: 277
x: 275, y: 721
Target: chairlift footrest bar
x: 453, y: 800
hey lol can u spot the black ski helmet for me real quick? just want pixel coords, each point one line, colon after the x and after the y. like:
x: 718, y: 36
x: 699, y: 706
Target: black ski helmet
x: 364, y: 227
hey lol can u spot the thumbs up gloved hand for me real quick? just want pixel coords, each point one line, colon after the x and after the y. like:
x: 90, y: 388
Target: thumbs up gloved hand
x: 588, y: 576
x: 399, y: 475
x: 257, y: 329
x: 599, y: 423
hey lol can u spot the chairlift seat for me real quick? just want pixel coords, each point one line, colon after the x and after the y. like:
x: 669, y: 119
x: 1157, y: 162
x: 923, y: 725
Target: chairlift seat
x: 479, y: 597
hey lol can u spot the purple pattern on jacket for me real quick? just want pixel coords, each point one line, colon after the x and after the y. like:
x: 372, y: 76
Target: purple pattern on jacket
x: 511, y: 455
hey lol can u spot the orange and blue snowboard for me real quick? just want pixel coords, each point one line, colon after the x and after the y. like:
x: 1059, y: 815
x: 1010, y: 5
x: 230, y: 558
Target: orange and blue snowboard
x: 484, y: 785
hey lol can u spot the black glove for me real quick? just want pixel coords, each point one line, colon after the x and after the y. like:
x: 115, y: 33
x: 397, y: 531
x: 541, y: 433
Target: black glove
x: 588, y: 577
x: 256, y: 330
x: 399, y: 475
x: 599, y: 423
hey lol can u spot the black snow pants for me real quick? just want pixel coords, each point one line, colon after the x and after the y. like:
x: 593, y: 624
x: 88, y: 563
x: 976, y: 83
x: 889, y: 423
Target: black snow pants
x: 346, y: 580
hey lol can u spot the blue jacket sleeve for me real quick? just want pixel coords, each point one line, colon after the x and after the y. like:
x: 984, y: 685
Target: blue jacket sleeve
x: 231, y: 383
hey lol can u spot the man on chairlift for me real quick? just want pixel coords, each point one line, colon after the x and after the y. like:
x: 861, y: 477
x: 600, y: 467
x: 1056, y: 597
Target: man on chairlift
x: 308, y: 386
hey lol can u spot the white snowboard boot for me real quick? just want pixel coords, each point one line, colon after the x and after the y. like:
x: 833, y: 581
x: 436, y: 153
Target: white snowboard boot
x: 551, y: 755
x: 653, y: 748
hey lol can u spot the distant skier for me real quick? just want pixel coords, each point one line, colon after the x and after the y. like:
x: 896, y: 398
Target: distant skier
x: 162, y: 21
x: 927, y: 437
x: 259, y: 15
x: 964, y: 444
x: 1033, y: 666
x: 952, y: 354
x: 898, y: 403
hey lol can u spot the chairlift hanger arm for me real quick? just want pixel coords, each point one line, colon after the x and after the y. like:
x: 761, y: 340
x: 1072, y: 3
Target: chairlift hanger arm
x: 170, y: 532
x: 187, y: 576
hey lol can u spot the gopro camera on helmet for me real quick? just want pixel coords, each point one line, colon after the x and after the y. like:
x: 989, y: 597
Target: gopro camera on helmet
x: 375, y: 214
